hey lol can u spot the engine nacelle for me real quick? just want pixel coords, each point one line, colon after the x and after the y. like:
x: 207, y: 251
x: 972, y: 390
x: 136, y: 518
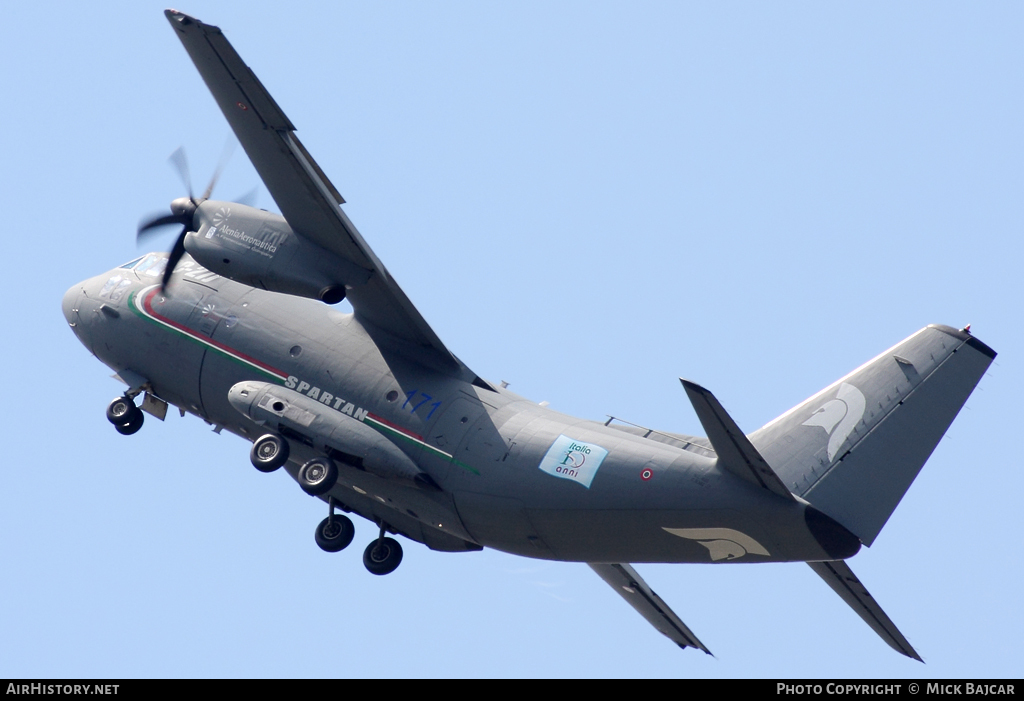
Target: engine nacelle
x: 258, y: 248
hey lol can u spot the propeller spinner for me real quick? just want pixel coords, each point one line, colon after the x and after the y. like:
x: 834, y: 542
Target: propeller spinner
x: 183, y: 210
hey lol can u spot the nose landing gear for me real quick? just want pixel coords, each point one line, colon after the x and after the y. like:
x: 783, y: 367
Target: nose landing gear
x: 126, y: 417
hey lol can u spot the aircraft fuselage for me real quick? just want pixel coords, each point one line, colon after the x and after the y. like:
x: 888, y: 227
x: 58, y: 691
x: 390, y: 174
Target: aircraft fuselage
x: 509, y: 474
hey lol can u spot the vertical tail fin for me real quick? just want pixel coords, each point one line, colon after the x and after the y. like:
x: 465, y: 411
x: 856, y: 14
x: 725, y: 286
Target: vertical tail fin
x: 853, y: 449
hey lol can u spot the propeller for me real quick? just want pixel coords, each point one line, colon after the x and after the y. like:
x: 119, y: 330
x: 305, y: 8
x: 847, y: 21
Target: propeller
x: 183, y: 209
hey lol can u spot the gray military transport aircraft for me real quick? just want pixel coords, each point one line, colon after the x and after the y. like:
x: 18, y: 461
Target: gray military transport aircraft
x: 370, y: 412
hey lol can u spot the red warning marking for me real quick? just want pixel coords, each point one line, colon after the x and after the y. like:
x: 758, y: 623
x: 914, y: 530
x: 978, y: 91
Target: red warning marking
x: 646, y: 475
x: 241, y: 105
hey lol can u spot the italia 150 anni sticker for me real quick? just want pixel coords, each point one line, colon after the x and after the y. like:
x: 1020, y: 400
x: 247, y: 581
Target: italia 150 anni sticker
x: 573, y: 460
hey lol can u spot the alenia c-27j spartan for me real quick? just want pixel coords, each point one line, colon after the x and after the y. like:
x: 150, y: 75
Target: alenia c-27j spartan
x: 373, y: 414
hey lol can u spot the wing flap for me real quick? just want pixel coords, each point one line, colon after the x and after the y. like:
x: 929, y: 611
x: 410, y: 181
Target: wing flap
x: 838, y: 575
x: 631, y: 587
x: 736, y: 453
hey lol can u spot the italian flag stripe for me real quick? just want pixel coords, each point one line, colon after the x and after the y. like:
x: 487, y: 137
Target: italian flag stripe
x: 390, y: 429
x: 146, y: 311
x: 384, y: 426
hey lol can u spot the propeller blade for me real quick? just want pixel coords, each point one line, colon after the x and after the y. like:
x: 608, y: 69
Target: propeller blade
x: 225, y: 156
x: 180, y: 161
x: 249, y: 198
x: 155, y: 222
x: 172, y: 260
x: 183, y: 210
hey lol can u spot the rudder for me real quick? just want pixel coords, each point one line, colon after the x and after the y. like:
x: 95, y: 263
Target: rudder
x: 853, y: 449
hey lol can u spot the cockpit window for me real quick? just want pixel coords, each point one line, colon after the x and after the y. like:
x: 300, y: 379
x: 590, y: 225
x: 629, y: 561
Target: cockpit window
x: 152, y: 265
x: 129, y: 266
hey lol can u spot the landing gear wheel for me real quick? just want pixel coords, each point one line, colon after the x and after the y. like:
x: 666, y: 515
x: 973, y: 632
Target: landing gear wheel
x: 332, y: 537
x: 382, y: 556
x: 132, y: 425
x: 121, y: 411
x: 317, y: 476
x: 269, y: 452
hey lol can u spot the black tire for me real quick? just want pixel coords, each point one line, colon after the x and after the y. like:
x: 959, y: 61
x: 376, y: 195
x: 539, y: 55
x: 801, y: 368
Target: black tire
x: 269, y: 452
x: 317, y: 476
x: 337, y: 538
x: 132, y: 425
x: 383, y: 557
x: 121, y: 411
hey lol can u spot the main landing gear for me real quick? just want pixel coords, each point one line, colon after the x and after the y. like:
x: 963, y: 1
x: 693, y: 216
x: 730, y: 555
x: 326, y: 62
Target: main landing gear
x: 384, y: 555
x: 269, y: 452
x: 126, y: 417
x: 335, y: 532
x: 317, y: 477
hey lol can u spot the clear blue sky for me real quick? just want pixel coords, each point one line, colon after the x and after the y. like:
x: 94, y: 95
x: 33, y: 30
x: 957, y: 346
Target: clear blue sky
x: 586, y: 199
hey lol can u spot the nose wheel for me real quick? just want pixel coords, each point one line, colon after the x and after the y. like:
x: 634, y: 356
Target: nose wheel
x: 126, y: 417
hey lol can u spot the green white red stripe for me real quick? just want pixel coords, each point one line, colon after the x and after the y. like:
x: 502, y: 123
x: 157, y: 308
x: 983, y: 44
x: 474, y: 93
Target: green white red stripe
x: 395, y: 431
x: 146, y: 311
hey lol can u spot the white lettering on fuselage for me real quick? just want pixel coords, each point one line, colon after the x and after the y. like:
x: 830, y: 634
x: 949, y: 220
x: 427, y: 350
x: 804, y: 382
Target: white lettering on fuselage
x: 326, y: 398
x: 255, y: 244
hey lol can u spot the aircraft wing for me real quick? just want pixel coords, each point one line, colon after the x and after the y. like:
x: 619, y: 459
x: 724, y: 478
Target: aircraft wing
x: 307, y: 199
x: 631, y: 587
x: 838, y: 575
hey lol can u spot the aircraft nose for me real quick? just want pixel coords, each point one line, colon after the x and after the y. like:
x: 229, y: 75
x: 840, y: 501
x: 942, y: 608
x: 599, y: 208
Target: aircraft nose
x: 69, y: 305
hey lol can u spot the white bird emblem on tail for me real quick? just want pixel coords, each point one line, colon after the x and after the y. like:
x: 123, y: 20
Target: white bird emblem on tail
x: 839, y: 416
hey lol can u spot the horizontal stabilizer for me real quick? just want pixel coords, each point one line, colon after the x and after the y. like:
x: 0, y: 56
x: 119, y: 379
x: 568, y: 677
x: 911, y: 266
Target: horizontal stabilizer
x: 631, y: 587
x: 736, y: 453
x: 838, y: 575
